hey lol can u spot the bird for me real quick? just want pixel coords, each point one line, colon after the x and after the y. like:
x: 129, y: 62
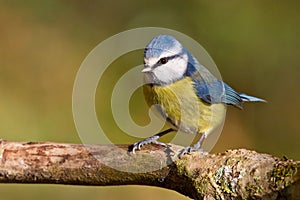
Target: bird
x: 184, y: 93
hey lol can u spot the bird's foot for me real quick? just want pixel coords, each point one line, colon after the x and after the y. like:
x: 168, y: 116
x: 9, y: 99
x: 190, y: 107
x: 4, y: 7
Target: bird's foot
x: 196, y: 147
x: 190, y: 149
x: 153, y: 139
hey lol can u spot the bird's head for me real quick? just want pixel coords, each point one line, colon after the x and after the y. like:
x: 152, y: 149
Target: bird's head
x: 165, y: 60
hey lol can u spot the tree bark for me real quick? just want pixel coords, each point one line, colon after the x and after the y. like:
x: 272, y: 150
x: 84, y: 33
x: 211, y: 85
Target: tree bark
x: 234, y: 174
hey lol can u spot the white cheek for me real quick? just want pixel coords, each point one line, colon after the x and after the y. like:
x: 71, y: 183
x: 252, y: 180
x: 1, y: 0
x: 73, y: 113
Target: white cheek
x: 162, y: 75
x: 172, y: 71
x: 178, y: 67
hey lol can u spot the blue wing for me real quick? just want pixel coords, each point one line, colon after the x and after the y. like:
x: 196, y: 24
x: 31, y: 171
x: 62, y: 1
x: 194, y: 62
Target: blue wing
x: 220, y: 92
x: 211, y: 90
x: 217, y: 92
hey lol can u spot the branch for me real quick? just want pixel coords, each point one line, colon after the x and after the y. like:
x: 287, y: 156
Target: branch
x: 235, y: 174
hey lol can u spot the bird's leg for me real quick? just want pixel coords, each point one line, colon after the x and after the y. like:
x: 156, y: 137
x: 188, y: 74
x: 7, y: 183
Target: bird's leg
x: 196, y: 147
x: 153, y: 139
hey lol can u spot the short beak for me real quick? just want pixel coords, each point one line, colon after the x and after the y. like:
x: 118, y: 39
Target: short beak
x: 147, y: 69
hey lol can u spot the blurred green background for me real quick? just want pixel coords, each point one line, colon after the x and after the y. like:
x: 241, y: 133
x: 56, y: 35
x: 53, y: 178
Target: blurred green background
x: 255, y: 44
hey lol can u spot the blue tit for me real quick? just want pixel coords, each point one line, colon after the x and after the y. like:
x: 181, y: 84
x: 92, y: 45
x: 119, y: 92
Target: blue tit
x: 184, y: 92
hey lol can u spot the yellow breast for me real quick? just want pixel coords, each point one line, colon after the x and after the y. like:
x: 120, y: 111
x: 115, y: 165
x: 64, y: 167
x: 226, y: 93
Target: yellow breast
x: 182, y: 108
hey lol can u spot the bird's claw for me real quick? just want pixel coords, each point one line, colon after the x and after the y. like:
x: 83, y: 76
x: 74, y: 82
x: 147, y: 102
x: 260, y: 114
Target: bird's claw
x: 190, y: 149
x: 153, y: 140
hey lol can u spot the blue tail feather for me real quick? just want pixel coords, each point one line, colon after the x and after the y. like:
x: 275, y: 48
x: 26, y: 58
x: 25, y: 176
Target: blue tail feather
x: 237, y: 99
x: 246, y: 97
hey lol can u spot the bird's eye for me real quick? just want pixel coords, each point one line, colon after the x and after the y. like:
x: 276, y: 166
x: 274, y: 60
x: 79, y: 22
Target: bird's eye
x: 144, y: 62
x: 163, y: 61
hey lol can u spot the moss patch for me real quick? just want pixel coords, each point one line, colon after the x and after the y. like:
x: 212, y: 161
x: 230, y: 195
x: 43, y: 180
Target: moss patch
x: 282, y: 174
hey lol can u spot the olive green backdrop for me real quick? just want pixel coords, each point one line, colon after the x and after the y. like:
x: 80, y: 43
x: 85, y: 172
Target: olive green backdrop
x: 255, y: 44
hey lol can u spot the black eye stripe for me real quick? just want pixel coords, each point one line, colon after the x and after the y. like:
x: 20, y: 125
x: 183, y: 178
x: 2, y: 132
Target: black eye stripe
x: 164, y: 60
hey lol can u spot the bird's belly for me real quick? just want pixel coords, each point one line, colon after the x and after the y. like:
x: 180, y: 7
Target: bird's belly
x: 182, y: 108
